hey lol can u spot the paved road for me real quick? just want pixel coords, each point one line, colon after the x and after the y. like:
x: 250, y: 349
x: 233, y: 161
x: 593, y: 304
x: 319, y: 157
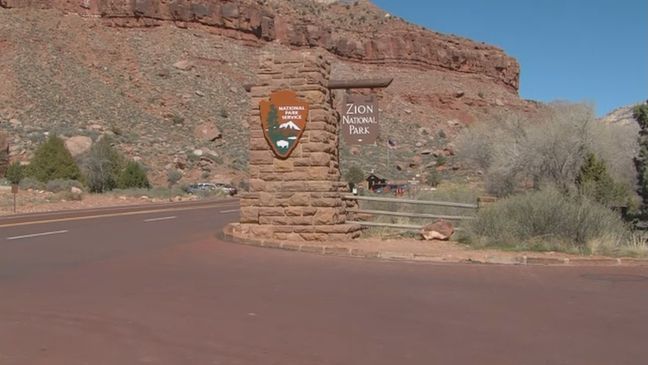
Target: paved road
x: 157, y: 288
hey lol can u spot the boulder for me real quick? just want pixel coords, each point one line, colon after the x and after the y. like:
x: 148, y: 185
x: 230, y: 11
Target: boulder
x: 424, y: 132
x: 448, y: 151
x: 453, y: 123
x: 415, y: 162
x: 438, y: 230
x: 78, y: 145
x: 183, y: 65
x: 207, y: 132
x: 96, y: 127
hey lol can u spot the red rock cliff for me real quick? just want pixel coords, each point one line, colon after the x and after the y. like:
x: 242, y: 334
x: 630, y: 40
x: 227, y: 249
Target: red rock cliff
x: 360, y: 32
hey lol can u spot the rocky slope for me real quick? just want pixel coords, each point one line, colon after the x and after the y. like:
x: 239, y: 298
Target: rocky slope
x: 165, y: 77
x: 622, y: 116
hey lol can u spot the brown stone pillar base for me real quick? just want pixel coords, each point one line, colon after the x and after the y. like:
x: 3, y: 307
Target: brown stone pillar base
x: 329, y: 233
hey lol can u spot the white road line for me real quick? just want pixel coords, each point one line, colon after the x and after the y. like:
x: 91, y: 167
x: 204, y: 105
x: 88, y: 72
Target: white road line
x: 229, y: 211
x: 159, y: 219
x: 36, y: 235
x: 108, y: 215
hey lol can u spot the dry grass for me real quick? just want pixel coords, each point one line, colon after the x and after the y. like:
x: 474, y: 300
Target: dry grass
x: 634, y: 244
x: 547, y: 220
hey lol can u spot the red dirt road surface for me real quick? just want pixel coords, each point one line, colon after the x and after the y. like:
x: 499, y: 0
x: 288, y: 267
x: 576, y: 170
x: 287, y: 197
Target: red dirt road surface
x: 158, y: 288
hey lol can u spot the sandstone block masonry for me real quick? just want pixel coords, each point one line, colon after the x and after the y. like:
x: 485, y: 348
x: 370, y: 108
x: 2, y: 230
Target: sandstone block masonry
x: 298, y: 198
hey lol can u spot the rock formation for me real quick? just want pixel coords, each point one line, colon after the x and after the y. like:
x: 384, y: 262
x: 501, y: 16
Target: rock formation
x: 438, y: 230
x: 389, y: 40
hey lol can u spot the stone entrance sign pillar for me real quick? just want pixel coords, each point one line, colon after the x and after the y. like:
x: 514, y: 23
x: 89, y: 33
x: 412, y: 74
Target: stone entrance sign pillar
x: 298, y: 198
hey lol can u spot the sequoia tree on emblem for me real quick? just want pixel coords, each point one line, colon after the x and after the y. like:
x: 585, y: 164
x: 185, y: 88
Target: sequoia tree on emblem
x: 283, y: 119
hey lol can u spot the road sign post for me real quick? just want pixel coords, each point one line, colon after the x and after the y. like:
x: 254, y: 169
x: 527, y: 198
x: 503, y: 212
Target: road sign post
x: 14, y: 191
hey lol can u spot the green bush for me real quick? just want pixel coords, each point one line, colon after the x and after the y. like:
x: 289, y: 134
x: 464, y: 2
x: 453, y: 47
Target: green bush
x: 500, y: 183
x: 173, y: 176
x: 102, y: 166
x: 30, y: 183
x: 67, y: 196
x: 594, y: 182
x: 61, y: 185
x: 15, y: 173
x: 354, y: 175
x: 133, y: 176
x: 4, y: 160
x: 545, y: 220
x: 53, y: 161
x: 640, y: 114
x: 433, y: 178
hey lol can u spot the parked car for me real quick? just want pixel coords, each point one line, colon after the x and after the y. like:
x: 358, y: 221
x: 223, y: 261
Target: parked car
x: 199, y: 188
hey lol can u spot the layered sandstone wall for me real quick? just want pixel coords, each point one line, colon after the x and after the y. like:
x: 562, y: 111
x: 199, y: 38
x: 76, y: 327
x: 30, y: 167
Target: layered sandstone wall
x: 376, y: 41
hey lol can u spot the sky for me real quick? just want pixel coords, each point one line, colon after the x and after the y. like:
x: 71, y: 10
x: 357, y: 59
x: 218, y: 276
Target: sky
x: 593, y: 51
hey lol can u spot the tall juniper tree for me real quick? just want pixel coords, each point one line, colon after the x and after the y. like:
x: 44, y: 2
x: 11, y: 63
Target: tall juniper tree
x: 640, y: 114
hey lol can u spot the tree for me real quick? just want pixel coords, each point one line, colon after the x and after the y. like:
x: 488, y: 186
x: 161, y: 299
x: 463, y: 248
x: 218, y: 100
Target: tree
x: 53, y: 161
x: 514, y: 151
x: 133, y: 176
x: 173, y: 176
x: 354, y: 175
x: 433, y: 178
x: 15, y: 173
x: 102, y: 166
x: 593, y: 169
x: 640, y: 114
x: 595, y: 182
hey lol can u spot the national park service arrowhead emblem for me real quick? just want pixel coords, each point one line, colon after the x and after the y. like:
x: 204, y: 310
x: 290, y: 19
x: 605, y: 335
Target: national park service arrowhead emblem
x: 283, y: 119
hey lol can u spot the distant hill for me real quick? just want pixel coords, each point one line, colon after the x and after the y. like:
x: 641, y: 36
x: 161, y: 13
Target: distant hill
x: 621, y: 116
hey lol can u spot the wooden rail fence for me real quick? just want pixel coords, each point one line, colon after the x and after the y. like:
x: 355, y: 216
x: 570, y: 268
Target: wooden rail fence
x: 413, y: 227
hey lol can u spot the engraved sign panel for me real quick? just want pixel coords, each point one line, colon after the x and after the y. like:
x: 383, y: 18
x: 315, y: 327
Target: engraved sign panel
x: 359, y: 122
